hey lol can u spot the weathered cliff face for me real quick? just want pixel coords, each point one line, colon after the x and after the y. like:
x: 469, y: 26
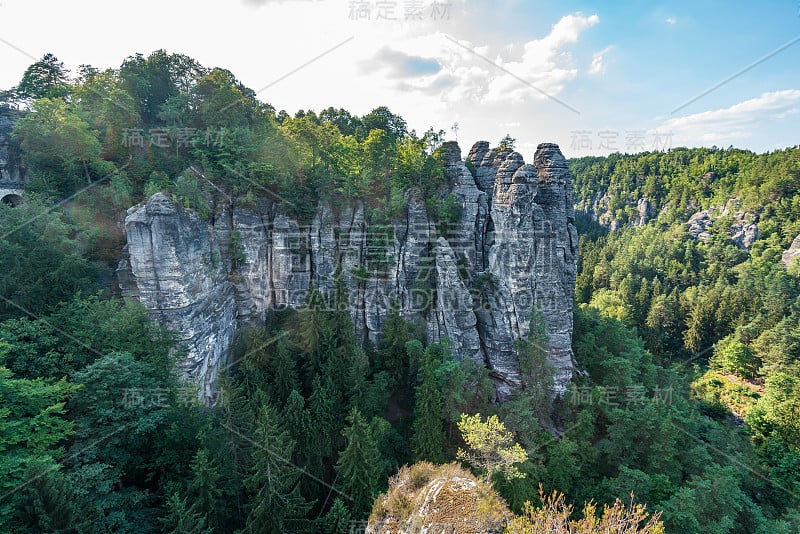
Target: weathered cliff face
x: 474, y: 281
x: 10, y: 168
x: 11, y: 173
x: 743, y: 226
x: 173, y: 266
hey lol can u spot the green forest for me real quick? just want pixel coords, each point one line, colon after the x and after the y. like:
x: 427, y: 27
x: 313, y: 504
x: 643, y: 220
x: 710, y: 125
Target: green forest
x: 686, y: 400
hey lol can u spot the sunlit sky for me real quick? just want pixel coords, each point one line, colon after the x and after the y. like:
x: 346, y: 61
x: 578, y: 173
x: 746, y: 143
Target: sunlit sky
x: 594, y: 77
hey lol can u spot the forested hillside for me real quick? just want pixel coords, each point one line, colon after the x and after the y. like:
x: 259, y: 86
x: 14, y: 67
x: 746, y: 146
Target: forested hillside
x: 686, y: 396
x: 720, y: 311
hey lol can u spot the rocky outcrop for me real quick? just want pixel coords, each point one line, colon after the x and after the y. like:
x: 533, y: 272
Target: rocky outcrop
x: 11, y: 176
x: 600, y: 211
x: 699, y: 223
x: 743, y: 226
x: 645, y: 209
x: 474, y: 279
x: 173, y: 266
x: 744, y: 230
x: 791, y: 253
x: 443, y: 498
x: 454, y: 316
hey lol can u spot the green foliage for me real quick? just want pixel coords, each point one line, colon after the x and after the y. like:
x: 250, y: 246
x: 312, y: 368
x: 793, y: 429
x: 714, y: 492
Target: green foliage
x: 181, y: 517
x: 358, y: 465
x: 535, y: 369
x: 708, y: 503
x: 60, y: 150
x: 165, y: 113
x: 775, y: 413
x: 506, y: 144
x: 491, y: 447
x: 733, y: 356
x: 731, y: 312
x: 33, y: 431
x: 337, y: 520
x: 93, y: 416
x: 396, y: 333
x: 78, y: 332
x: 41, y: 261
x: 428, y: 439
x: 46, y: 78
x: 276, y: 504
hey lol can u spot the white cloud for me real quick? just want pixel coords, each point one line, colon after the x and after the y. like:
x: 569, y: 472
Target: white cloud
x: 722, y: 127
x: 399, y: 64
x: 671, y: 20
x: 598, y: 61
x: 486, y: 73
x: 544, y: 64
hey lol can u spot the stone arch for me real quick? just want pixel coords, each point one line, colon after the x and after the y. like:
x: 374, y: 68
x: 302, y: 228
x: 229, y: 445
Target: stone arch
x: 11, y: 199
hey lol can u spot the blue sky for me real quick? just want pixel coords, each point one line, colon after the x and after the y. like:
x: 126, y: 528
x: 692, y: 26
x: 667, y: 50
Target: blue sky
x: 592, y: 76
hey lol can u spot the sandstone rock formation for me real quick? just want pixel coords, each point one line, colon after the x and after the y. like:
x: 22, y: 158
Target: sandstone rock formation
x: 437, y: 499
x: 791, y: 253
x: 475, y: 281
x: 173, y: 266
x: 743, y: 227
x: 11, y: 174
x: 600, y: 210
x: 10, y: 169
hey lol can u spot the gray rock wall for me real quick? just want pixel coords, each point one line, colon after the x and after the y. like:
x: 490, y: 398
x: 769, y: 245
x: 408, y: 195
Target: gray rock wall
x: 11, y: 175
x: 173, y: 266
x: 474, y: 281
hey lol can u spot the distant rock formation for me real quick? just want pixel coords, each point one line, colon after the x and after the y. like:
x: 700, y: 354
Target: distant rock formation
x: 791, y: 253
x: 743, y: 228
x: 512, y: 248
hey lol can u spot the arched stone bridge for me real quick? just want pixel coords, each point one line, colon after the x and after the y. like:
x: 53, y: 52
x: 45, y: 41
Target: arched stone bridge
x: 11, y: 197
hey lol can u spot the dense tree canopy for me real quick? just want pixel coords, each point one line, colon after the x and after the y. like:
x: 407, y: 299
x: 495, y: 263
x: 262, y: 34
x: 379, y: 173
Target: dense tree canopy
x: 687, y: 350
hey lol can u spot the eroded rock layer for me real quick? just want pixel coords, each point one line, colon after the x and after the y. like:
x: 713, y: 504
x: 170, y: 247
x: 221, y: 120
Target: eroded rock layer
x: 475, y: 280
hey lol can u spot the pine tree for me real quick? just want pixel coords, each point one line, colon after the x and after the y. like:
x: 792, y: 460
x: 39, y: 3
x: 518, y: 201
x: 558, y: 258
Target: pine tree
x: 537, y: 373
x: 308, y: 328
x: 343, y: 352
x: 359, y: 465
x: 204, y: 489
x: 283, y: 372
x: 323, y: 407
x: 276, y: 504
x: 297, y: 420
x: 183, y: 518
x: 355, y: 381
x: 238, y: 418
x: 491, y: 447
x: 395, y: 334
x: 337, y: 520
x: 428, y: 439
x: 46, y: 503
x: 342, y: 322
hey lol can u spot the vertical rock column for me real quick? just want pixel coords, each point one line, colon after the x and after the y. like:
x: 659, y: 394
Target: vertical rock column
x: 556, y: 265
x: 178, y: 275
